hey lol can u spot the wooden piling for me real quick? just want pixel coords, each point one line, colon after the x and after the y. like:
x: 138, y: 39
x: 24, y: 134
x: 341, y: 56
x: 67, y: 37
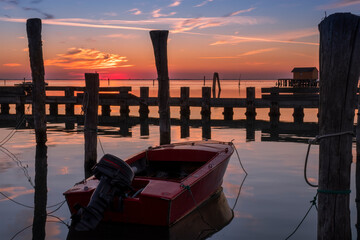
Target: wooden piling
x: 184, y: 111
x: 216, y: 79
x: 143, y: 105
x: 298, y: 115
x: 91, y: 103
x: 339, y: 74
x: 274, y: 112
x: 159, y: 41
x: 54, y: 109
x: 228, y: 113
x: 33, y: 28
x: 206, y: 113
x: 5, y: 109
x: 184, y: 103
x: 250, y: 103
x: 69, y: 107
x: 105, y: 110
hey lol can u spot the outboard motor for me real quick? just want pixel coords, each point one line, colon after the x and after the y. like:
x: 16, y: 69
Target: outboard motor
x: 115, y: 177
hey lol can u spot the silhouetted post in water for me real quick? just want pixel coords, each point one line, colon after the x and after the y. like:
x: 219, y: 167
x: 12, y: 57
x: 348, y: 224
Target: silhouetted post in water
x: 228, y: 113
x: 250, y: 104
x: 298, y: 115
x: 40, y: 196
x: 159, y: 41
x: 105, y: 110
x: 204, y: 80
x: 33, y: 28
x: 216, y: 79
x: 69, y: 108
x: 274, y: 113
x: 144, y: 111
x: 184, y: 111
x: 91, y: 120
x: 206, y: 113
x: 339, y: 74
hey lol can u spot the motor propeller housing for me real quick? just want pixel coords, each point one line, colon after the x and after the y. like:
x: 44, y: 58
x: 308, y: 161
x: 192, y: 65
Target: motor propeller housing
x: 115, y: 177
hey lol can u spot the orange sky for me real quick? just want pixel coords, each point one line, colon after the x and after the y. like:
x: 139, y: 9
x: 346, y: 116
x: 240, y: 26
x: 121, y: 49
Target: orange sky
x: 256, y: 41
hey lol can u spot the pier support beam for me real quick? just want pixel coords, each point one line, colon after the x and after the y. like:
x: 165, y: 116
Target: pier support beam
x: 250, y: 104
x: 206, y: 113
x: 184, y: 111
x: 298, y: 115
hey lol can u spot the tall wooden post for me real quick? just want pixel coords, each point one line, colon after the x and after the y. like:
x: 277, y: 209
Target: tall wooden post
x: 33, y: 28
x: 91, y: 120
x: 216, y: 79
x: 184, y: 112
x: 339, y: 74
x: 250, y: 104
x: 159, y: 41
x: 206, y: 113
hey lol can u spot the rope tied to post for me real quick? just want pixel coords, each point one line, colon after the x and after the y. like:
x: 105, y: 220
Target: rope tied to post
x: 315, y: 140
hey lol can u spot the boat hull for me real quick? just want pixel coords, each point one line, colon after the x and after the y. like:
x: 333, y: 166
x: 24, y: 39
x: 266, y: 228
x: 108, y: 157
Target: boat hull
x: 164, y: 201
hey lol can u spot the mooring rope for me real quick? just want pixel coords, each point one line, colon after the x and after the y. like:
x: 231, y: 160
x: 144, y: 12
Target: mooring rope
x: 327, y: 191
x: 316, y: 139
x: 313, y: 203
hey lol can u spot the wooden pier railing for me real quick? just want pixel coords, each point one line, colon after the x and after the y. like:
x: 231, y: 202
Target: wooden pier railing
x: 272, y: 98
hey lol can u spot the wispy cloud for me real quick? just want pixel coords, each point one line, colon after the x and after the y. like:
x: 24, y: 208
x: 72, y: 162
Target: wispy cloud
x: 80, y: 58
x: 239, y: 12
x: 203, y: 3
x: 156, y: 13
x: 46, y: 15
x: 206, y: 22
x: 285, y: 37
x: 254, y: 52
x: 175, y: 3
x: 339, y: 4
x: 111, y: 14
x: 120, y: 35
x: 11, y: 64
x: 135, y: 11
x: 176, y: 22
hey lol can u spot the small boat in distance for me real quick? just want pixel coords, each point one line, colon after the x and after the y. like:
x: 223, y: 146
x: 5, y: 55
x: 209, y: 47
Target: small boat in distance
x: 158, y: 187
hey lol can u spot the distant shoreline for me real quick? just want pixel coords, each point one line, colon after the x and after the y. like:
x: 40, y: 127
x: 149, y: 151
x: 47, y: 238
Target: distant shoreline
x: 138, y: 79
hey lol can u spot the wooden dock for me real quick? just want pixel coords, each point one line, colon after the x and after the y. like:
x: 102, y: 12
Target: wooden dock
x: 14, y: 99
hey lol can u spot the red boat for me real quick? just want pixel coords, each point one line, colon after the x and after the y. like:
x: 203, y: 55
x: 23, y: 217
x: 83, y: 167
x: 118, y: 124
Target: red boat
x: 168, y: 182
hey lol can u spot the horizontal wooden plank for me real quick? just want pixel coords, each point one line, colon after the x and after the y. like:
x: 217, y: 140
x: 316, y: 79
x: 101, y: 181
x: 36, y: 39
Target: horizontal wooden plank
x: 12, y: 91
x: 289, y: 90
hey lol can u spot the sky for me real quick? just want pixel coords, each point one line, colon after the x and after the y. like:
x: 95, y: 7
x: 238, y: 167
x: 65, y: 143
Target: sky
x: 245, y: 39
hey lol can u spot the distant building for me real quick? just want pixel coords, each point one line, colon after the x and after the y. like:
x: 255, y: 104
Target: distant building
x: 302, y: 77
x: 308, y: 73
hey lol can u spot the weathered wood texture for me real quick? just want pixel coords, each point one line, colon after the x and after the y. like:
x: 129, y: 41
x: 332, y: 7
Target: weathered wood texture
x: 339, y: 74
x: 159, y: 41
x: 91, y: 103
x: 33, y: 28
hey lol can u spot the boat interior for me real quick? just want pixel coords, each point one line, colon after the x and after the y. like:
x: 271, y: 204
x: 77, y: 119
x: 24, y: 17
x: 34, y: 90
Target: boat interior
x: 170, y: 165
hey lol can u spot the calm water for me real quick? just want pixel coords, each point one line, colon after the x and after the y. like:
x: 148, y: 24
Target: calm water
x: 272, y: 201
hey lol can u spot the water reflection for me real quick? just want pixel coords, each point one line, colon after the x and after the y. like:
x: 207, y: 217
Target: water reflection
x: 40, y: 196
x: 208, y: 219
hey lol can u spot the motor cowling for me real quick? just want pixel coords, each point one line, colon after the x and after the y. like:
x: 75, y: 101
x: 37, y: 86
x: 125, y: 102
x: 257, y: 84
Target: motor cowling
x: 115, y: 177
